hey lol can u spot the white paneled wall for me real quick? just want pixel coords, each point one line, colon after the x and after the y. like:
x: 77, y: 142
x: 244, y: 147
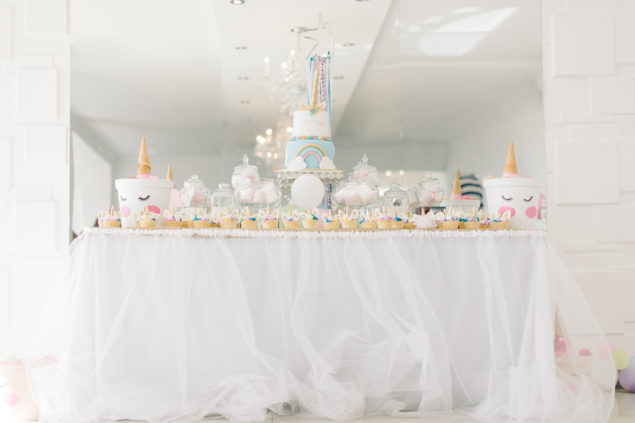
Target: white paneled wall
x: 34, y: 170
x: 589, y: 94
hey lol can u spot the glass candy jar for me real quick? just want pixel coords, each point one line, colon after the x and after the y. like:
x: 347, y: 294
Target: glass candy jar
x: 365, y: 173
x: 194, y: 193
x: 355, y: 194
x: 259, y: 193
x: 396, y: 199
x: 429, y: 192
x: 223, y: 199
x: 245, y: 174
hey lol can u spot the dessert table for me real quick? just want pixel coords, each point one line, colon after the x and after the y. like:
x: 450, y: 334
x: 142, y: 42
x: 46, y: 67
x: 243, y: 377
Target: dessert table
x: 167, y: 324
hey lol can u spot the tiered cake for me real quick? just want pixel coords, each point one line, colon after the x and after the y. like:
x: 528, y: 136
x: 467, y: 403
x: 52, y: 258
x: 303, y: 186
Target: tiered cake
x: 311, y: 136
x: 310, y: 149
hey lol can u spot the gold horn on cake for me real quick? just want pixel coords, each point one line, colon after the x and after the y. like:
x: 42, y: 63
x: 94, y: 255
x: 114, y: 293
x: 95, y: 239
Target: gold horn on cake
x: 510, y: 163
x: 143, y: 163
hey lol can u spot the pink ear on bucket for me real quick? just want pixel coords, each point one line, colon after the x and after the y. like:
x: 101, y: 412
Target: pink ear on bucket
x: 12, y: 400
x: 505, y: 209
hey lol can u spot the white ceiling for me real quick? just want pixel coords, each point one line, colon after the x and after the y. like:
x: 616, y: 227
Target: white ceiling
x: 166, y: 69
x: 169, y: 70
x: 438, y: 67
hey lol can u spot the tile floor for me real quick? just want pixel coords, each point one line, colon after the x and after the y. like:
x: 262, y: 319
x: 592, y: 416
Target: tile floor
x: 623, y: 412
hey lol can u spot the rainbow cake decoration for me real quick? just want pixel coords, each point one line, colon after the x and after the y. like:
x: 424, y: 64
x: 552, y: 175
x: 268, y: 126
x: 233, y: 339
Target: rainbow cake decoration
x: 310, y: 142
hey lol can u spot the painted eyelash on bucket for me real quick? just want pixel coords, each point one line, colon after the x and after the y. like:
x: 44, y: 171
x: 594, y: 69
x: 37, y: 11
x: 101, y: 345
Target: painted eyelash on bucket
x: 505, y: 198
x: 122, y: 198
x: 144, y: 198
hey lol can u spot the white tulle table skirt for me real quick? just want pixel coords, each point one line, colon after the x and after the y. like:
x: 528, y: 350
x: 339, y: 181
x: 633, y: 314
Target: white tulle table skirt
x: 169, y: 324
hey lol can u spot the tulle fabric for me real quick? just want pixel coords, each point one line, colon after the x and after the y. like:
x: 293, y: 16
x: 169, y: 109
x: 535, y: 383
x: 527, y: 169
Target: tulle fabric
x: 164, y: 325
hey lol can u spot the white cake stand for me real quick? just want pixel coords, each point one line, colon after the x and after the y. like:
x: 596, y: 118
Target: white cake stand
x: 330, y: 178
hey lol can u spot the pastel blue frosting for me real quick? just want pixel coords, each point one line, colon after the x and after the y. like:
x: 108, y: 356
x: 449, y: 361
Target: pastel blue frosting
x: 312, y: 162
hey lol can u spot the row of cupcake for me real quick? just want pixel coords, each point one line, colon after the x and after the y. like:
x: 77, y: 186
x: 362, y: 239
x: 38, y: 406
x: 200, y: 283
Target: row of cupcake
x: 308, y: 220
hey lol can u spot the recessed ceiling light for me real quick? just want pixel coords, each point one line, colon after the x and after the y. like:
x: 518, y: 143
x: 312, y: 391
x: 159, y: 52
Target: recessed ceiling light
x: 260, y: 139
x: 245, y: 101
x: 388, y: 173
x: 348, y: 44
x: 289, y: 129
x: 269, y: 131
x: 237, y: 2
x: 338, y: 77
x: 241, y: 47
x: 243, y: 78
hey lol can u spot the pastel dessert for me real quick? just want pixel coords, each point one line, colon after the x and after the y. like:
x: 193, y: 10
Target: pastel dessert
x: 249, y: 221
x: 172, y: 220
x: 368, y: 222
x: 229, y: 221
x: 409, y: 222
x: 471, y: 222
x: 291, y: 221
x: 269, y: 220
x: 109, y: 219
x: 398, y: 222
x: 310, y: 221
x: 428, y: 221
x: 203, y: 221
x: 147, y: 219
x: 349, y: 220
x: 498, y: 223
x: 385, y: 221
x: 310, y: 146
x: 450, y: 221
x: 331, y: 222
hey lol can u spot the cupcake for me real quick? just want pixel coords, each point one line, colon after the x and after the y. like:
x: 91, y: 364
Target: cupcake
x: 471, y: 222
x: 291, y: 221
x: 368, y: 222
x: 204, y: 221
x: 331, y: 222
x: 385, y: 222
x: 109, y: 219
x: 229, y: 221
x: 450, y: 221
x: 398, y: 222
x: 172, y: 220
x: 195, y: 214
x: 310, y: 221
x: 348, y: 220
x: 498, y: 223
x: 409, y: 222
x: 147, y: 219
x: 269, y: 220
x: 249, y: 222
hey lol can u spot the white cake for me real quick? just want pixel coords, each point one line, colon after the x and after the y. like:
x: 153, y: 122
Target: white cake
x: 311, y: 126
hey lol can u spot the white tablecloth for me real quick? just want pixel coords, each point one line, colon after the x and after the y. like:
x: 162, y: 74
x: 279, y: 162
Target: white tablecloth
x: 168, y: 324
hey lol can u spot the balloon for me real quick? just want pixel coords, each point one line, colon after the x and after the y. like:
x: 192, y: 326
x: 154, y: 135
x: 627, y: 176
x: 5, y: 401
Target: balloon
x: 627, y: 379
x: 307, y: 192
x: 621, y: 359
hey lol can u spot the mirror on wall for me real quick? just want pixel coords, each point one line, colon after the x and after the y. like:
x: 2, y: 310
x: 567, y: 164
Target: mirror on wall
x: 422, y: 87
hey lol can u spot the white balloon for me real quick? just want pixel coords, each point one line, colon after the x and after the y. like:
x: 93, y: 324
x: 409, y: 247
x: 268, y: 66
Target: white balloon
x: 307, y: 192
